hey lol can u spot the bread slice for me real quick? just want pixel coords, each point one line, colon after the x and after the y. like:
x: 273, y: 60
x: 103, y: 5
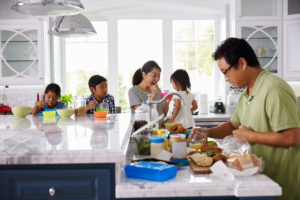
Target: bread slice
x: 202, y: 160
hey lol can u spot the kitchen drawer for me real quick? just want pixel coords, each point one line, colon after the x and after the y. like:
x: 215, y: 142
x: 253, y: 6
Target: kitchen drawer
x: 59, y: 182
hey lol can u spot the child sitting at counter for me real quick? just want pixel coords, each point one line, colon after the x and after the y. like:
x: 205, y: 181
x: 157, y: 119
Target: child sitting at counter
x: 98, y: 88
x: 51, y: 101
x: 183, y: 114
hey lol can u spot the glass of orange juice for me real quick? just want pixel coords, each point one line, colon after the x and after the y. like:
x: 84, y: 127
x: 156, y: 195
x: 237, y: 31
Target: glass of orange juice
x: 196, y: 142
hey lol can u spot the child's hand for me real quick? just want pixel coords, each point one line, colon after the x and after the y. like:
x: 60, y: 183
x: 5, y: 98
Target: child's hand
x: 92, y: 104
x: 40, y: 104
x: 169, y: 121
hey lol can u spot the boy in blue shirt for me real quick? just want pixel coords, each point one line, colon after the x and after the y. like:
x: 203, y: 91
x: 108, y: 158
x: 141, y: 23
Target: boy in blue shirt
x: 98, y: 88
x: 52, y: 96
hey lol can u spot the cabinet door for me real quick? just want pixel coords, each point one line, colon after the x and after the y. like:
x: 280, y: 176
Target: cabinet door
x: 58, y: 183
x: 265, y: 41
x: 255, y: 9
x: 291, y: 50
x: 21, y: 52
x: 291, y: 9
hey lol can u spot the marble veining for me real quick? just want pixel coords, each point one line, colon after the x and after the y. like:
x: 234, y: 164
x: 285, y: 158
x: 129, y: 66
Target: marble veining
x: 34, y: 140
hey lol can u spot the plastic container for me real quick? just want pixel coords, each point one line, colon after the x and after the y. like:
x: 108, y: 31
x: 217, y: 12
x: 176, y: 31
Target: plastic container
x: 154, y: 115
x: 151, y: 171
x: 156, y: 146
x: 142, y: 112
x: 100, y: 114
x: 177, y: 145
x: 49, y: 114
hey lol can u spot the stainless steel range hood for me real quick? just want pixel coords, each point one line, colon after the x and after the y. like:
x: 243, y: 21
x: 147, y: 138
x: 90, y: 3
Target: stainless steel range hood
x: 48, y: 7
x: 72, y: 26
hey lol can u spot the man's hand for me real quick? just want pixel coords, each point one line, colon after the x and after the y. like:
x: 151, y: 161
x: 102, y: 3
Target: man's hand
x: 198, y: 132
x: 40, y: 104
x: 242, y: 133
x: 92, y: 104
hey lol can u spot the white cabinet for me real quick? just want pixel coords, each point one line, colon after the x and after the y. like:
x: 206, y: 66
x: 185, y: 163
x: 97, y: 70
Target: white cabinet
x: 21, y: 52
x: 265, y: 39
x: 258, y: 9
x: 291, y: 9
x: 291, y: 50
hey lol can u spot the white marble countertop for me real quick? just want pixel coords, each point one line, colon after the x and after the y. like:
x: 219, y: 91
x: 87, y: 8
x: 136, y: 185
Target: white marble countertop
x: 187, y: 184
x: 34, y: 140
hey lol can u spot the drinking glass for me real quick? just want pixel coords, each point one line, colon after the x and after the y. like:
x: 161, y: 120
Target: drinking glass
x: 80, y: 106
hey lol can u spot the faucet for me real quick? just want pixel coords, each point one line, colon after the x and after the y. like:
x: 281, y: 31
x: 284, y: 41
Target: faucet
x: 150, y: 102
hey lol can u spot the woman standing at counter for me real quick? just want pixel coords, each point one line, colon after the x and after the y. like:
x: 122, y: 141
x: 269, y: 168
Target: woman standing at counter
x: 144, y: 82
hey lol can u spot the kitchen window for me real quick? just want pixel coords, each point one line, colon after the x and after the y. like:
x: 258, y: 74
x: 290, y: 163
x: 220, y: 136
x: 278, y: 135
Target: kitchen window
x: 138, y: 42
x: 86, y: 56
x: 193, y: 44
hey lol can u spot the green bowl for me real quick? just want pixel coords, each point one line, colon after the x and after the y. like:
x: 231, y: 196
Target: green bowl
x: 168, y: 125
x: 65, y: 113
x: 20, y: 111
x: 49, y: 114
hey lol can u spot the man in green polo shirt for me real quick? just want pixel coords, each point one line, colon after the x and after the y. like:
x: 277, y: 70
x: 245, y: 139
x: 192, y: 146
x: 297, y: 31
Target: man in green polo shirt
x: 267, y: 115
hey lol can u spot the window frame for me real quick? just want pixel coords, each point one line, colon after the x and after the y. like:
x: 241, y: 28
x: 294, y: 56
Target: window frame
x: 167, y: 50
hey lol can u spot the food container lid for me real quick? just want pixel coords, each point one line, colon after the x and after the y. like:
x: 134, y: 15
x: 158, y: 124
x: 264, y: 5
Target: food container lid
x: 161, y: 131
x: 157, y: 140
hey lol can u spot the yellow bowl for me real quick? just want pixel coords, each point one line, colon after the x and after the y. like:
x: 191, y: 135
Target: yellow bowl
x: 65, y: 113
x: 168, y: 125
x: 20, y: 111
x: 49, y: 114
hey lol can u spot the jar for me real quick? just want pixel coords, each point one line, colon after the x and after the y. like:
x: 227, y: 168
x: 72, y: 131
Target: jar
x: 80, y: 106
x: 177, y: 144
x: 156, y: 146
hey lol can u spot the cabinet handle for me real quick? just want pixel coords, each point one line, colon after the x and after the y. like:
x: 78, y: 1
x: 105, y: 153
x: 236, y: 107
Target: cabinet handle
x: 52, y: 192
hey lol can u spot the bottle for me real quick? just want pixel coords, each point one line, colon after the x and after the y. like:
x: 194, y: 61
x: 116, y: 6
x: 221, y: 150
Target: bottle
x: 142, y: 112
x: 177, y: 145
x: 156, y: 146
x: 154, y: 116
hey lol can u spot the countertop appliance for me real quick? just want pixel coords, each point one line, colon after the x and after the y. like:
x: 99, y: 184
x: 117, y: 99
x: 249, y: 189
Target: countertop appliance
x: 219, y: 107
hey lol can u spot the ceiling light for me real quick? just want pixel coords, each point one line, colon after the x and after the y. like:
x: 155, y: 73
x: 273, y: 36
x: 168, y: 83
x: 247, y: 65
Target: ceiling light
x: 48, y: 7
x: 72, y: 25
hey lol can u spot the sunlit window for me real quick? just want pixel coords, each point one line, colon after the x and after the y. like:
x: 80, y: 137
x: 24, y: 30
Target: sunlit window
x: 138, y: 42
x: 193, y: 45
x: 86, y: 56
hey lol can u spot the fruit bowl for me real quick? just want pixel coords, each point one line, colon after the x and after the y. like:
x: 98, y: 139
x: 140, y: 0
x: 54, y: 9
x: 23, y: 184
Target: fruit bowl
x: 65, y: 113
x: 20, y: 111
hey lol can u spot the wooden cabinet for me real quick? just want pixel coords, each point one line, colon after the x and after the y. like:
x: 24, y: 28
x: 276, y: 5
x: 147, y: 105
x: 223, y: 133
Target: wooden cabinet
x: 58, y: 182
x: 22, y: 52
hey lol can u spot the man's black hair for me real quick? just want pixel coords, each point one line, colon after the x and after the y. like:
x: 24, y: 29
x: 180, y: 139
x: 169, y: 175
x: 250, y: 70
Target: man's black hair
x: 232, y: 49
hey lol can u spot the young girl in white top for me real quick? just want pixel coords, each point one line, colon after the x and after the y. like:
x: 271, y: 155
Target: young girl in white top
x: 183, y: 114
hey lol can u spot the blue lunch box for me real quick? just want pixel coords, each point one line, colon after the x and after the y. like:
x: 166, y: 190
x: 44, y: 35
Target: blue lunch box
x: 150, y: 171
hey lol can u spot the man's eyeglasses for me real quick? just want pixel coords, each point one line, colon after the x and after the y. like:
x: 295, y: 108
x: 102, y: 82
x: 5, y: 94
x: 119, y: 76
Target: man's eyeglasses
x: 225, y: 72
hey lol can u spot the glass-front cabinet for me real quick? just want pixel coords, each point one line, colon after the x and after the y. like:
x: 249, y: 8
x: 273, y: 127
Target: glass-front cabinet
x: 21, y: 52
x: 265, y: 41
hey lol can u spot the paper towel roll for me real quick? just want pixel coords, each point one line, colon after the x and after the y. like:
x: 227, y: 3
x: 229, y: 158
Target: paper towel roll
x: 203, y: 104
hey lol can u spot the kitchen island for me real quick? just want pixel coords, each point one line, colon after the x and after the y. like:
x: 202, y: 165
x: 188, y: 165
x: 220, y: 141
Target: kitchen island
x: 84, y: 159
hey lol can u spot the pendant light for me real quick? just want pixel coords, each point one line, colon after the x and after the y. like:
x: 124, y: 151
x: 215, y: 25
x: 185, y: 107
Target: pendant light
x: 72, y: 26
x: 48, y: 7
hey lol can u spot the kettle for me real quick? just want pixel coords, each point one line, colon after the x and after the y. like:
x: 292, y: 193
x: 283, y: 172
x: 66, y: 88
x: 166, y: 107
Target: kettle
x: 219, y: 107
